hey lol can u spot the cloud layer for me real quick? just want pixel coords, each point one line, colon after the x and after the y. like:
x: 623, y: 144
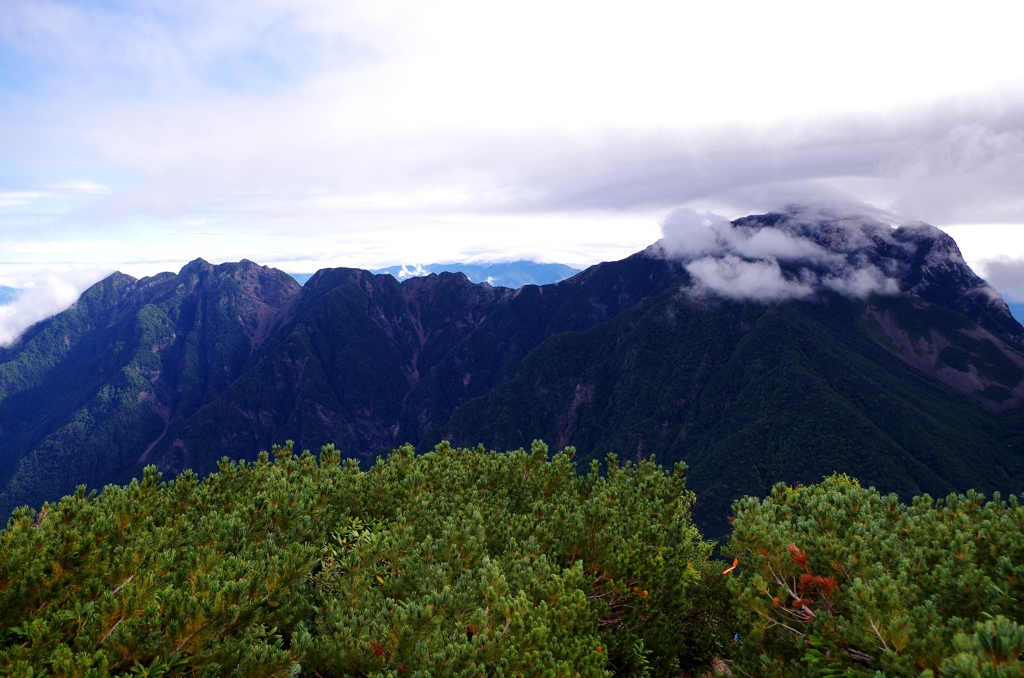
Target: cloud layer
x: 1006, y: 274
x: 304, y: 116
x: 794, y: 261
x: 41, y: 299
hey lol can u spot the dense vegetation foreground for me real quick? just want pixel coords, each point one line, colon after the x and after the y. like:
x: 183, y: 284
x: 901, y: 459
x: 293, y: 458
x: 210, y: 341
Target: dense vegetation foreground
x: 466, y: 562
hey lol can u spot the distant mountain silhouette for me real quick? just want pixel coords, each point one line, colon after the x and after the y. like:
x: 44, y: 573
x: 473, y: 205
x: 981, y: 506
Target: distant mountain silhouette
x: 513, y: 274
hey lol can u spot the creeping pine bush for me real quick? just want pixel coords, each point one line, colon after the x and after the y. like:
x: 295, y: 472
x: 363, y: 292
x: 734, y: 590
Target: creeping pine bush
x: 839, y: 580
x: 455, y: 563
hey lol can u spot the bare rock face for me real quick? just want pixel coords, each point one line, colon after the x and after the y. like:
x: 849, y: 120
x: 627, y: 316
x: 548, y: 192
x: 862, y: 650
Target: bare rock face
x: 917, y: 258
x: 981, y: 355
x: 937, y: 272
x: 963, y: 355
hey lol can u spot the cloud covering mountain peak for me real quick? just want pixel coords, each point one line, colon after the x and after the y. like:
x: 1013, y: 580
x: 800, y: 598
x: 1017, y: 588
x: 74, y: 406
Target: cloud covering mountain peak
x: 792, y: 254
x: 804, y: 251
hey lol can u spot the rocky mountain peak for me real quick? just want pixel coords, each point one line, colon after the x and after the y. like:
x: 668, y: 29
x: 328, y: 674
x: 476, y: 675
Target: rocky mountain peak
x: 835, y: 230
x: 196, y: 267
x: 936, y: 272
x: 804, y: 251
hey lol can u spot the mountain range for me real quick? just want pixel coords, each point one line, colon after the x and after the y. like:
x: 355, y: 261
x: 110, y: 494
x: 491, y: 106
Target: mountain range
x: 879, y: 353
x: 513, y: 274
x: 500, y: 274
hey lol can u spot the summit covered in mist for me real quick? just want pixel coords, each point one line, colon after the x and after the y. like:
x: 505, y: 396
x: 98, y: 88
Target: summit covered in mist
x: 802, y: 251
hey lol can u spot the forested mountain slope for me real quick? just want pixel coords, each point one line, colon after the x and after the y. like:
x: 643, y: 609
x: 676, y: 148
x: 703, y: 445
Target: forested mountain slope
x: 748, y: 396
x: 894, y: 362
x: 86, y: 394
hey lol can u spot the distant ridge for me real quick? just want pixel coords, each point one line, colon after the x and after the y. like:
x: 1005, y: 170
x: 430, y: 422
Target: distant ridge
x: 512, y: 274
x: 7, y: 295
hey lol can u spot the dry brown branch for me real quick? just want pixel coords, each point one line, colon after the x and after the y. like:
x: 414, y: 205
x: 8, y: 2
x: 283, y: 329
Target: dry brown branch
x: 123, y: 584
x: 104, y: 639
x: 885, y: 645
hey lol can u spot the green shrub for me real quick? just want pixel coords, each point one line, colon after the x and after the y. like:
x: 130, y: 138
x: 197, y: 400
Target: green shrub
x: 457, y: 562
x: 994, y: 650
x: 836, y: 579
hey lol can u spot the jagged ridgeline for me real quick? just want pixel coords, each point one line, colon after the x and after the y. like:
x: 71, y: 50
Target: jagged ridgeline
x: 878, y: 352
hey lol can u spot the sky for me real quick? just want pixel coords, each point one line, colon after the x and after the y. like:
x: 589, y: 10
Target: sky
x: 302, y: 134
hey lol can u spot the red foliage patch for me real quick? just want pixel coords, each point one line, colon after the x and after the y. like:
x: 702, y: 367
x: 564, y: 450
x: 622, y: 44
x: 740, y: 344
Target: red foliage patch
x: 826, y: 584
x: 799, y: 557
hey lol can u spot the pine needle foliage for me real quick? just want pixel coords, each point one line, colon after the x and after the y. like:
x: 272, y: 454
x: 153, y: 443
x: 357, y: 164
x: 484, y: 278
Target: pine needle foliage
x: 840, y: 580
x: 458, y: 562
x: 994, y: 650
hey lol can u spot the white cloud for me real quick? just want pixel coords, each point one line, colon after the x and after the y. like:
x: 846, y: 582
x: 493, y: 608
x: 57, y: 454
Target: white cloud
x: 62, y: 190
x: 735, y: 278
x: 12, y: 198
x: 413, y: 272
x: 860, y: 282
x: 822, y: 248
x: 43, y: 297
x: 968, y: 170
x: 74, y: 187
x: 1006, y: 274
x: 771, y: 244
x: 687, y: 233
x: 440, y: 107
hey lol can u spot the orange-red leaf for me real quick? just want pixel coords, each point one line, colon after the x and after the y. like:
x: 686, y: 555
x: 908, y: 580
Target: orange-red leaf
x: 799, y: 557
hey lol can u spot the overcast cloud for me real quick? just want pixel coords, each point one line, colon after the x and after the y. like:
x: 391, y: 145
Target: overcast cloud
x: 311, y: 133
x: 41, y: 298
x: 1006, y: 274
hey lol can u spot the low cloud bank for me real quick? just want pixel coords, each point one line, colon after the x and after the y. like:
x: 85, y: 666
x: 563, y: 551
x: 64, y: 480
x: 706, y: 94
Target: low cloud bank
x: 807, y: 251
x: 41, y: 298
x: 1007, y: 275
